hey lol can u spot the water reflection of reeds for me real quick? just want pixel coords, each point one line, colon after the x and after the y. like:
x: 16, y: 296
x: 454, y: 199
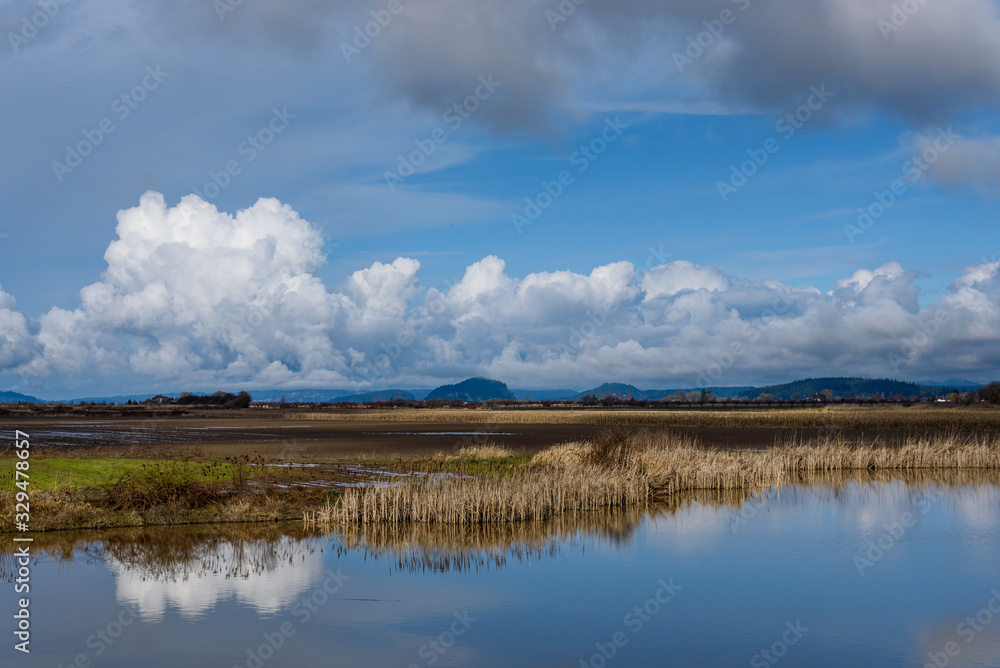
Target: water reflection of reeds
x: 950, y: 478
x: 419, y: 547
x: 422, y: 547
x: 619, y: 468
x: 946, y: 486
x: 246, y: 551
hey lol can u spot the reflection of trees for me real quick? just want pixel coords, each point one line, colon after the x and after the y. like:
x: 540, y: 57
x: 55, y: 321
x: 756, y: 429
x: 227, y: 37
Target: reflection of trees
x: 173, y: 555
x: 177, y: 553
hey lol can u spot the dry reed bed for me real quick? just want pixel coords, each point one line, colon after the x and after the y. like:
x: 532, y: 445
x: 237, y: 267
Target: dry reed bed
x: 622, y: 468
x: 676, y: 466
x: 534, y: 495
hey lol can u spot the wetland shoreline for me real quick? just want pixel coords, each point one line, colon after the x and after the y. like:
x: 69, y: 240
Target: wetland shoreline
x: 225, y: 466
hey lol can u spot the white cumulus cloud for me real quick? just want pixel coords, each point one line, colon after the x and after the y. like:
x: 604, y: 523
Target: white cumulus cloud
x: 196, y: 298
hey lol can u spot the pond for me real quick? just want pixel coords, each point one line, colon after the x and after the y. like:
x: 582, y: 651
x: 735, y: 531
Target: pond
x: 843, y: 571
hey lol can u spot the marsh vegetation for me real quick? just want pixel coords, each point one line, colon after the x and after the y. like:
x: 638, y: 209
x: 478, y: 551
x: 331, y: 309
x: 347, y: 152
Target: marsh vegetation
x: 627, y: 467
x: 606, y: 458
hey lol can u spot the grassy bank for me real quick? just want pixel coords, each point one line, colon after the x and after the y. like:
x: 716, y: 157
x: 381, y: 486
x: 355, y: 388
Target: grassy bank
x: 74, y: 492
x: 621, y: 468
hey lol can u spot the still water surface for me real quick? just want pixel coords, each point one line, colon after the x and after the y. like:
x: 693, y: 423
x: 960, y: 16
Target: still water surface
x: 840, y: 573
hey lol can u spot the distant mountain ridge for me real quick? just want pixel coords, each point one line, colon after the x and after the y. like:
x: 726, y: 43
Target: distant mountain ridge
x: 15, y: 397
x: 319, y: 396
x: 625, y: 391
x: 484, y: 389
x: 544, y: 395
x: 382, y: 395
x: 952, y: 384
x: 619, y: 390
x: 306, y: 396
x: 116, y: 399
x: 846, y: 388
x: 474, y: 389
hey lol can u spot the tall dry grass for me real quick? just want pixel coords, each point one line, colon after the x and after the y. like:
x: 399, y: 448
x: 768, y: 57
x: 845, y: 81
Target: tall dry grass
x: 485, y: 451
x: 619, y: 468
x: 535, y: 494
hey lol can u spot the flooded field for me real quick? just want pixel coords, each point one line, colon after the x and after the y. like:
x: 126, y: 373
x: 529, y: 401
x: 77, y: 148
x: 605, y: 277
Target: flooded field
x: 333, y: 436
x: 321, y: 439
x: 842, y: 570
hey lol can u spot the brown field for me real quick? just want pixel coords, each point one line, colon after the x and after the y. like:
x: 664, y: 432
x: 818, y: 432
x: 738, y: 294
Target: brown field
x: 313, y: 440
x: 341, y: 434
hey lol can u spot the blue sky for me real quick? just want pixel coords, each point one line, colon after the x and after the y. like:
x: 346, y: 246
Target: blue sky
x: 673, y: 271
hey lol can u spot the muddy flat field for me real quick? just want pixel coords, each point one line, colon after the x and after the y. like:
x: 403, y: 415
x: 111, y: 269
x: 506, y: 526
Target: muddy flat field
x: 318, y: 437
x: 310, y: 440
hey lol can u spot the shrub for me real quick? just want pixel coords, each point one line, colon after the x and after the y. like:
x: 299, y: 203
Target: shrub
x: 160, y: 485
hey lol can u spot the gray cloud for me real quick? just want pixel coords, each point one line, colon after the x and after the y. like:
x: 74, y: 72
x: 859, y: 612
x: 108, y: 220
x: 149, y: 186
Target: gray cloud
x: 438, y: 51
x: 945, y: 59
x: 939, y: 62
x: 969, y: 163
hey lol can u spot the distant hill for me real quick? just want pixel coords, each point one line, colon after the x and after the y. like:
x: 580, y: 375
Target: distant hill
x: 953, y: 384
x: 619, y: 390
x: 308, y: 396
x: 116, y: 399
x: 419, y: 393
x: 545, y: 395
x: 844, y: 388
x: 381, y: 395
x: 14, y: 397
x: 622, y: 391
x: 318, y: 396
x: 474, y: 389
x: 727, y: 392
